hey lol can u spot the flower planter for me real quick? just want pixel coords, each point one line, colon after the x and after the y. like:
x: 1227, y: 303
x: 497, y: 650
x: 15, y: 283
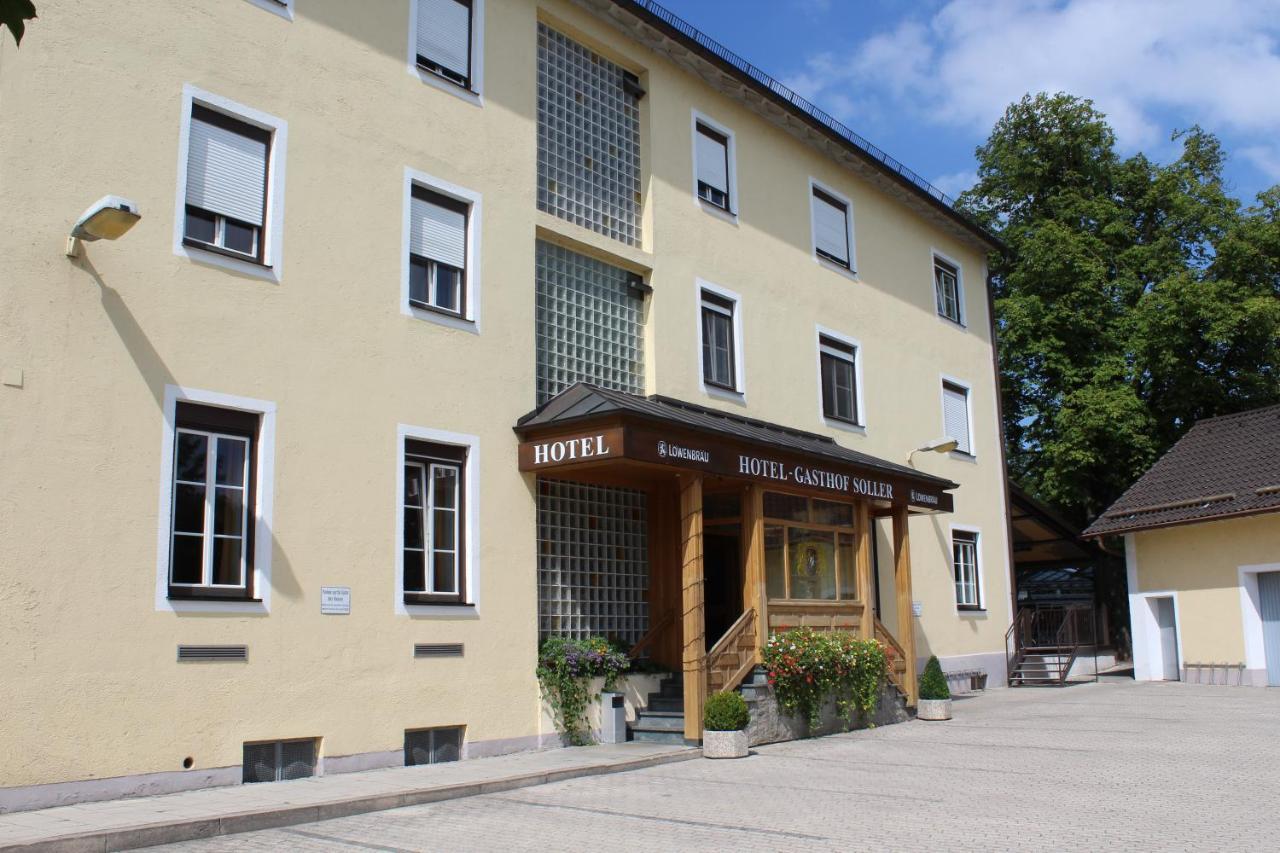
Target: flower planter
x: 724, y: 744
x: 933, y: 709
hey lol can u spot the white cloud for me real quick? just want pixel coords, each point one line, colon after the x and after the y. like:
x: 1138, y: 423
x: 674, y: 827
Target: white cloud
x: 956, y: 182
x: 1215, y: 63
x: 1266, y: 158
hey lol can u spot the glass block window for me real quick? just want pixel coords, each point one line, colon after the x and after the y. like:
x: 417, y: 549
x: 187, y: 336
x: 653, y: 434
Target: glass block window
x: 588, y: 138
x: 588, y: 324
x: 593, y: 561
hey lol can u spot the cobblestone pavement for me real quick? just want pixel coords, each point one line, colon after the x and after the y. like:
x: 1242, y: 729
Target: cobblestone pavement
x: 1112, y: 765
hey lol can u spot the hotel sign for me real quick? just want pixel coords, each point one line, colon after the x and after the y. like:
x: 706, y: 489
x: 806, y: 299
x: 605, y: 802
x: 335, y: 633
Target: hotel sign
x: 726, y: 459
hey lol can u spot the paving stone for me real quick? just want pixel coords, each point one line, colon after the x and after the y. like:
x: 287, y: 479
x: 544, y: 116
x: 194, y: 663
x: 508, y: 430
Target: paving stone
x: 1113, y: 765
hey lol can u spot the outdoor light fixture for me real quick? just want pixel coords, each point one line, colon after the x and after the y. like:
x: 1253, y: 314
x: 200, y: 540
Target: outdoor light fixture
x: 946, y: 444
x: 107, y: 218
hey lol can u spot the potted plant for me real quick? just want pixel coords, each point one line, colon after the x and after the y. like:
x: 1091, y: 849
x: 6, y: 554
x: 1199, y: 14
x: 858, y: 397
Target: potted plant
x: 724, y: 724
x: 935, y: 696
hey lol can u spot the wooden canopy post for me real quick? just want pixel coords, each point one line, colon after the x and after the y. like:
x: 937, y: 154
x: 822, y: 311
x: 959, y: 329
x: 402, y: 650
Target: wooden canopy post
x: 753, y: 587
x: 862, y: 561
x: 693, y: 619
x: 902, y: 584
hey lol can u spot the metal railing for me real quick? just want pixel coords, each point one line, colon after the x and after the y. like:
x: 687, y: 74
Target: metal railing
x: 800, y: 103
x: 1059, y: 630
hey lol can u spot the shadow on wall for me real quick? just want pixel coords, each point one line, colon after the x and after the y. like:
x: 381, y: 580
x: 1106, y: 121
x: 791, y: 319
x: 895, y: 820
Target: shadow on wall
x: 157, y: 376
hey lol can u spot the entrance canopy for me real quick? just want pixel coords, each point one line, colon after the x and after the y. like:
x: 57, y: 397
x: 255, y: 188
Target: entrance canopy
x: 586, y: 428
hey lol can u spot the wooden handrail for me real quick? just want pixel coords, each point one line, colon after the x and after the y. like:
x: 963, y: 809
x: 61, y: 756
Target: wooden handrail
x: 748, y: 616
x: 726, y: 664
x: 650, y: 635
x: 897, y: 653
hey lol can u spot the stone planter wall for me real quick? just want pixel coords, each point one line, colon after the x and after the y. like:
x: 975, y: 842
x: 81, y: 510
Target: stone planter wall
x: 769, y: 724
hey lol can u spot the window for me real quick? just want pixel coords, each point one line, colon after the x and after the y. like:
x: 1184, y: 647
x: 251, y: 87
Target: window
x: 432, y: 746
x: 718, y: 363
x: 964, y: 551
x: 955, y: 415
x: 434, y: 506
x: 588, y: 138
x: 443, y: 39
x: 437, y: 251
x: 838, y: 362
x: 588, y: 324
x: 711, y: 150
x: 226, y: 197
x: 212, y: 519
x: 946, y: 287
x: 809, y: 549
x: 831, y: 231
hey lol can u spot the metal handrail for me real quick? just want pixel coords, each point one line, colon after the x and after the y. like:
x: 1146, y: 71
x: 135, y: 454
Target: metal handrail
x: 802, y: 104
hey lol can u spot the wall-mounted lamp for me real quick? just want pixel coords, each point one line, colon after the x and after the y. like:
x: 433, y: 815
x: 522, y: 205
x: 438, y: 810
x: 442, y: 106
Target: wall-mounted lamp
x: 946, y: 444
x: 107, y: 218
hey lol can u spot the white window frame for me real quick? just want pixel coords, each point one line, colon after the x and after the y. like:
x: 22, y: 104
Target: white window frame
x: 739, y: 392
x: 470, y: 320
x: 474, y: 95
x: 263, y: 537
x: 731, y: 152
x: 209, y: 532
x: 272, y: 232
x: 283, y: 8
x: 1255, y: 653
x: 944, y: 380
x: 852, y: 270
x: 934, y: 257
x: 979, y: 575
x: 861, y: 426
x: 471, y: 519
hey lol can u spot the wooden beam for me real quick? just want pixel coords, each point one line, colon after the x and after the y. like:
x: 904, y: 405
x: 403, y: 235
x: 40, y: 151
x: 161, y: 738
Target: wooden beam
x: 862, y: 565
x: 693, y: 618
x: 753, y: 589
x: 902, y: 585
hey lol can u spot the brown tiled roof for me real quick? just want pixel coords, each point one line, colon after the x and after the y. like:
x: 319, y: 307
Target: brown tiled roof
x: 1222, y: 467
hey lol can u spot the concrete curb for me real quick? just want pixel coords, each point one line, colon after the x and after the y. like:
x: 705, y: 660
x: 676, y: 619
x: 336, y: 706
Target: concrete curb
x: 147, y: 835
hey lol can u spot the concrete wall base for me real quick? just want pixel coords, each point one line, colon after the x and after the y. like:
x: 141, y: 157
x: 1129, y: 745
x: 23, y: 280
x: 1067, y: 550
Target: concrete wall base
x: 29, y: 797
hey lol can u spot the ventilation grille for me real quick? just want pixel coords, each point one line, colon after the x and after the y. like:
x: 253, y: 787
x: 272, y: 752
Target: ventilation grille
x: 199, y: 653
x: 432, y: 746
x: 277, y: 761
x: 437, y: 650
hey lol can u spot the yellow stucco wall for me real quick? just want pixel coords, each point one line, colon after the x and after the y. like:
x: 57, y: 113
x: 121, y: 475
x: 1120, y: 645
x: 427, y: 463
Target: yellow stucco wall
x: 89, y: 105
x: 1202, y: 563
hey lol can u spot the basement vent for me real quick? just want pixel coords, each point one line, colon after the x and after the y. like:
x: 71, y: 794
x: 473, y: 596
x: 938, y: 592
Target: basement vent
x: 279, y: 760
x: 437, y: 650
x: 198, y: 653
x: 432, y: 746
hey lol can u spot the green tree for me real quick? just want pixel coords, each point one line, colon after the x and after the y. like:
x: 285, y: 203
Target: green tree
x: 14, y: 14
x: 1136, y: 298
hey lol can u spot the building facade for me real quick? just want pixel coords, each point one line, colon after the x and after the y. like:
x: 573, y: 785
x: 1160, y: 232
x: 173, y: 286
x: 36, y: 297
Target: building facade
x: 265, y: 511
x: 1201, y: 532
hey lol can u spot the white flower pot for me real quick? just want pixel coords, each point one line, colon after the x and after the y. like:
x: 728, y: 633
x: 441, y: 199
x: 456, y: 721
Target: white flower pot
x: 724, y: 744
x: 933, y: 709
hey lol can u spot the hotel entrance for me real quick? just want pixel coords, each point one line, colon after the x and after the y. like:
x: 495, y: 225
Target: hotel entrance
x: 689, y: 535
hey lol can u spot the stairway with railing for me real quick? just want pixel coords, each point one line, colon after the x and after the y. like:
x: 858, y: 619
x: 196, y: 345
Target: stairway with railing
x: 1043, y: 644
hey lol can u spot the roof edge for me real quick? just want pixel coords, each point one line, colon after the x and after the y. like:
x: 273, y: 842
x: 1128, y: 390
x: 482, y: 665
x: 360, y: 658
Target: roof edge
x: 677, y: 29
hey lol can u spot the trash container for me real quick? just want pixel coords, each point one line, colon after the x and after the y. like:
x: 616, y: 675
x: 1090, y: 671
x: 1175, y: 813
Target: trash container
x: 613, y: 718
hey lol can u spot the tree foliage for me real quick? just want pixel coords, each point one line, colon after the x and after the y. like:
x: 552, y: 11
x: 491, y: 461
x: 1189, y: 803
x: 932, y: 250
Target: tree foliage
x: 14, y: 14
x: 1136, y: 298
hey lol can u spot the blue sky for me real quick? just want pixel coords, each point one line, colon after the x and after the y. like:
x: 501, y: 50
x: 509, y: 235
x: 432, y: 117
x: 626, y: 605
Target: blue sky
x: 926, y: 79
